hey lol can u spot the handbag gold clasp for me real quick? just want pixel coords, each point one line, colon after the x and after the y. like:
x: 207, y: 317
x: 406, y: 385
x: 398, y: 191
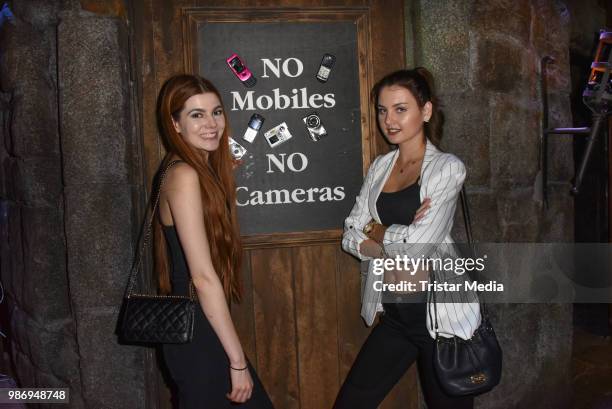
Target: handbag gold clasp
x: 478, y: 378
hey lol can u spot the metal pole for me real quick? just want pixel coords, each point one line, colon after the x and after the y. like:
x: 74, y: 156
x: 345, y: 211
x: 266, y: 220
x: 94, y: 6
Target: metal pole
x: 597, y: 121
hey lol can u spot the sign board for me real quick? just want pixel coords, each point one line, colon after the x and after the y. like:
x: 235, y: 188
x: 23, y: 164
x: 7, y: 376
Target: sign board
x: 300, y: 185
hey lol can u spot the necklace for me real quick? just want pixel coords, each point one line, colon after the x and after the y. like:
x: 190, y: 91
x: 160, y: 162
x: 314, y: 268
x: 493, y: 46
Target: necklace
x: 408, y: 164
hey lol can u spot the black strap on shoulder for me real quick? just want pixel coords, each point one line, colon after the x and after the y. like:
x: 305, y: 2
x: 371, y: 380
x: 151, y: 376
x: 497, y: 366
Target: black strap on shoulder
x: 146, y: 229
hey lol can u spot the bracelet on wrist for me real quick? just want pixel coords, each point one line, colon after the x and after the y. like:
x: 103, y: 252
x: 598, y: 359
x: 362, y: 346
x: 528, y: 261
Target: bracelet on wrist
x: 239, y: 369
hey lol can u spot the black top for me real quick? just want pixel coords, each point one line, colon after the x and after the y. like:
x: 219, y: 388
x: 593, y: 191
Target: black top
x: 399, y: 207
x: 179, y: 273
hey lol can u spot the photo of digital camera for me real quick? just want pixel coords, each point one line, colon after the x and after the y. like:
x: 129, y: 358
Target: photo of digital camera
x: 277, y: 135
x: 253, y: 127
x: 314, y: 126
x: 241, y: 71
x: 237, y: 150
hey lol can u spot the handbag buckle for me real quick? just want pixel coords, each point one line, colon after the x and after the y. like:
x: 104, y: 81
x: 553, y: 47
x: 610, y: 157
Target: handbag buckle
x: 478, y: 378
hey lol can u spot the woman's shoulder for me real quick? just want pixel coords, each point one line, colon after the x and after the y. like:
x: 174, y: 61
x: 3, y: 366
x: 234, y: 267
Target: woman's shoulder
x: 183, y: 175
x: 449, y: 159
x: 437, y: 155
x: 444, y: 163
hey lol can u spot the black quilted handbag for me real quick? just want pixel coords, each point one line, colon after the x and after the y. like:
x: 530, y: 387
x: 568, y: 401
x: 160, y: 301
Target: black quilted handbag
x: 155, y: 318
x: 473, y: 366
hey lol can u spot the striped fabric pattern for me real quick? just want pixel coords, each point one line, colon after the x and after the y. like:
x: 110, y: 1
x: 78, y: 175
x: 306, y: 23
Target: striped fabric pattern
x: 442, y: 176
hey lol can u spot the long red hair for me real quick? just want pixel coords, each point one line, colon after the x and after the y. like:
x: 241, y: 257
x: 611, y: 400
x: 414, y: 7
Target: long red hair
x: 217, y: 187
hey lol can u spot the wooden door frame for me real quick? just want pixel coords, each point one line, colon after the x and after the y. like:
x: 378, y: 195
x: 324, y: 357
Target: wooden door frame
x: 158, y: 26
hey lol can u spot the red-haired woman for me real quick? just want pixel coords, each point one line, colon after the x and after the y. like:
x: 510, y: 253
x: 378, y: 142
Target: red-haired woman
x: 197, y: 238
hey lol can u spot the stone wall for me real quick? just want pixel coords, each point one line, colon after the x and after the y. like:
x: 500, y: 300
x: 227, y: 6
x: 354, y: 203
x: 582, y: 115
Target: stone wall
x: 70, y: 160
x: 67, y: 190
x: 486, y: 57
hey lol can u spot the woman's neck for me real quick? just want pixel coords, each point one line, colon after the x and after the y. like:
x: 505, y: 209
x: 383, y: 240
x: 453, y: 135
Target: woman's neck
x: 412, y: 150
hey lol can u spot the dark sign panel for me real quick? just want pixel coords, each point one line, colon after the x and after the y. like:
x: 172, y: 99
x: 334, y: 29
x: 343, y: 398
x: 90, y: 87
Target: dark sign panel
x: 303, y: 167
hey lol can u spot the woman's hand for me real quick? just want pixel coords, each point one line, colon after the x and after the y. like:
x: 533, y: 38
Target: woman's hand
x: 377, y: 233
x: 370, y: 248
x: 420, y: 213
x: 242, y: 385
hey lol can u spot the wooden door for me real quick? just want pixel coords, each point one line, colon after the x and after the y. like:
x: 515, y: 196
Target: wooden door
x: 299, y: 321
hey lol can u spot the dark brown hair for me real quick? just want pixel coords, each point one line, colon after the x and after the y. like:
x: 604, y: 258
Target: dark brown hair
x: 217, y: 187
x: 420, y: 83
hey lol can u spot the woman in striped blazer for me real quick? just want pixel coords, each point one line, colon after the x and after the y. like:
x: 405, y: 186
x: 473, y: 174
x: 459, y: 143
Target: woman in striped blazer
x: 405, y: 207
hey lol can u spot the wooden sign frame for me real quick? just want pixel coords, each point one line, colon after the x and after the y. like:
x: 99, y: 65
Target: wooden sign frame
x: 193, y: 17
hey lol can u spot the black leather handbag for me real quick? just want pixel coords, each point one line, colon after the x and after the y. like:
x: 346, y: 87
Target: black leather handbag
x: 164, y: 319
x: 473, y: 366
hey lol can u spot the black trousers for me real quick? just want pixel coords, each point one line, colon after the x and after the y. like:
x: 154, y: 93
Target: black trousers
x: 399, y: 339
x: 200, y: 370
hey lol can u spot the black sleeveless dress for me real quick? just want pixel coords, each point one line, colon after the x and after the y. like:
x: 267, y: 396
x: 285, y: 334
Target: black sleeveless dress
x: 200, y: 369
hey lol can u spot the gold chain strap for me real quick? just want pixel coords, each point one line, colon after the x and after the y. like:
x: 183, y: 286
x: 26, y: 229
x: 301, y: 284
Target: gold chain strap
x: 146, y: 241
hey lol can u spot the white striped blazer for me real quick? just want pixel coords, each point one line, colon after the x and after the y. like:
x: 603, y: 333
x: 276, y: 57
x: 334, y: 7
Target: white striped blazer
x: 442, y: 176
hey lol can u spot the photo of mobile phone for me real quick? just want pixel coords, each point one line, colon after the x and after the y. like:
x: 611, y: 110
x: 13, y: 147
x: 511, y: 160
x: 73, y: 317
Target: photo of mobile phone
x: 327, y: 64
x: 254, y: 126
x: 241, y: 71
